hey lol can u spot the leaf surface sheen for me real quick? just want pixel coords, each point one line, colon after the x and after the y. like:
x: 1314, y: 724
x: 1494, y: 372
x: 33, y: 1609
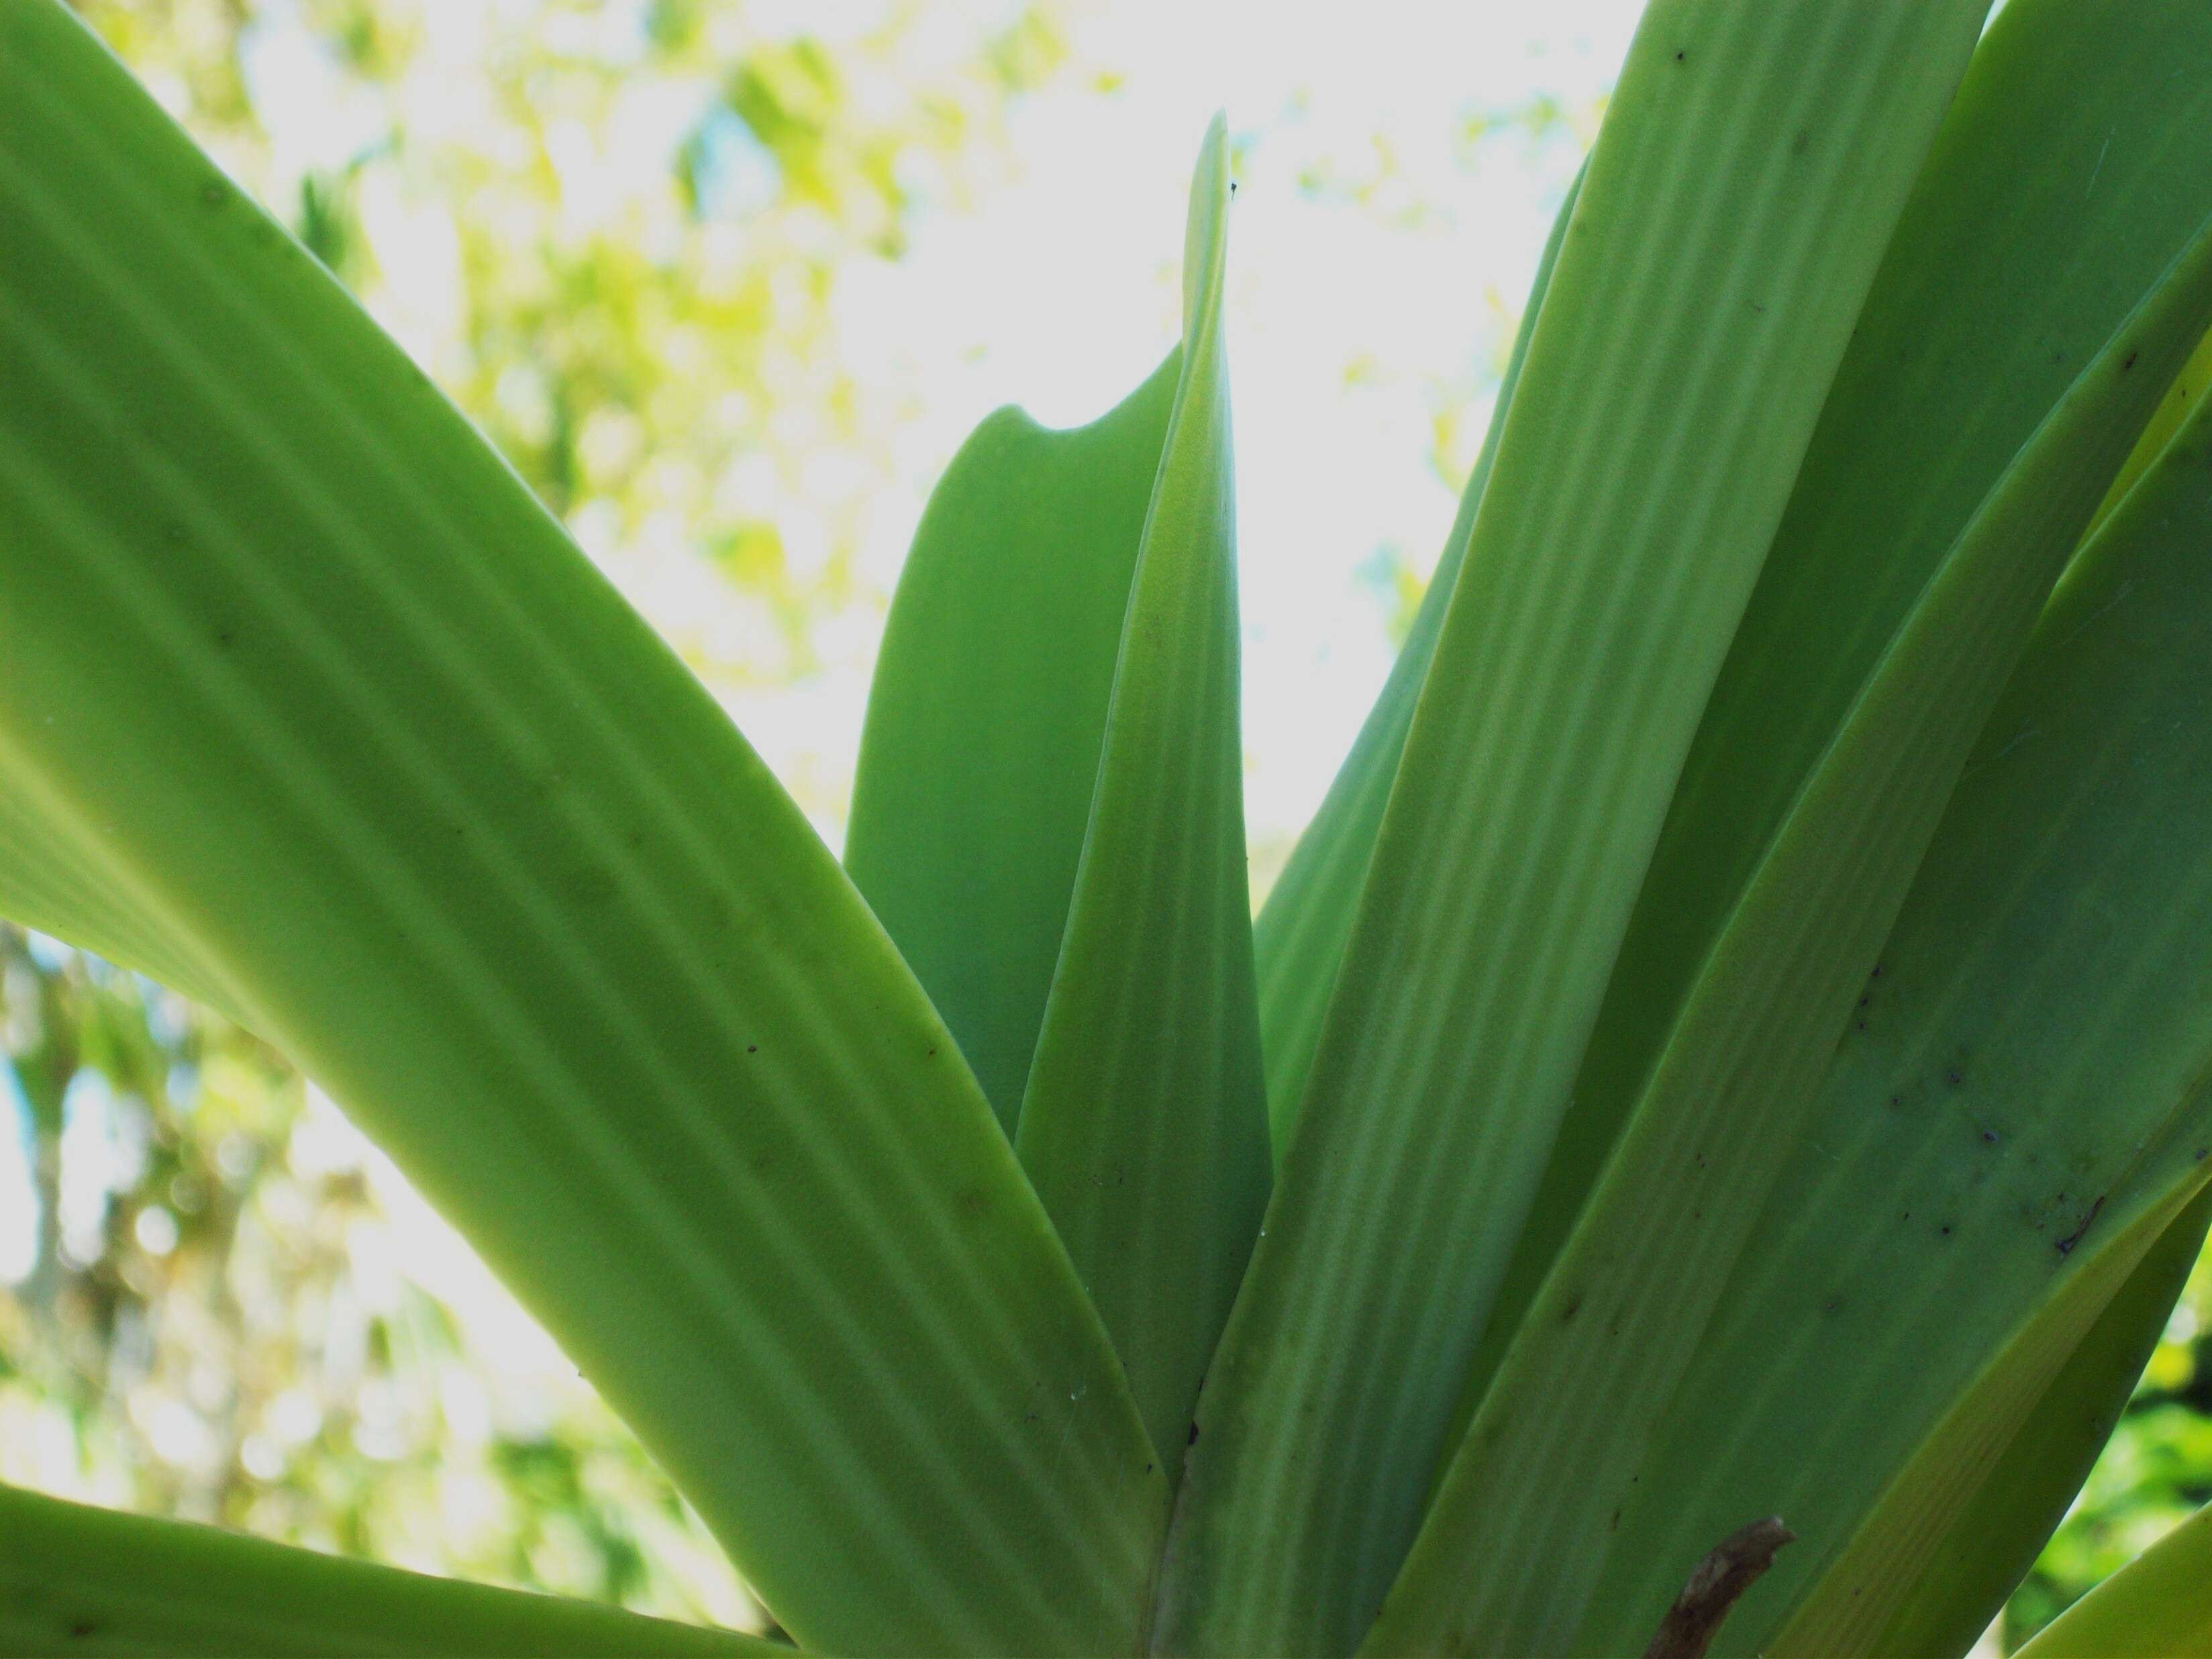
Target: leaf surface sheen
x: 2075, y: 161
x: 2024, y: 1074
x: 980, y: 754
x: 1701, y: 300
x: 79, y: 1580
x: 1559, y: 1439
x: 2155, y: 1604
x: 294, y: 665
x: 1145, y: 1128
x: 1303, y: 928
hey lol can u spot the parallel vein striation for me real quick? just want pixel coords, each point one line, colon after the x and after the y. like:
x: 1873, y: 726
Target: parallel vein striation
x: 979, y: 755
x: 2074, y: 162
x: 79, y: 1580
x: 477, y: 853
x: 2036, y: 1037
x: 1557, y: 1443
x: 1753, y: 163
x: 1144, y: 1128
x: 1299, y: 937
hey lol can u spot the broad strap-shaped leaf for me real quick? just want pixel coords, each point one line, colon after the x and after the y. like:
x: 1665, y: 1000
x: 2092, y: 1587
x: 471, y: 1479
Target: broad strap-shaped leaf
x: 1558, y: 1442
x: 1754, y: 158
x: 1857, y: 1598
x: 2159, y: 1603
x: 79, y: 1580
x: 2025, y: 1073
x: 1299, y: 938
x: 1997, y: 1534
x: 57, y: 885
x: 1145, y: 1129
x: 2073, y: 164
x: 988, y: 709
x: 291, y: 659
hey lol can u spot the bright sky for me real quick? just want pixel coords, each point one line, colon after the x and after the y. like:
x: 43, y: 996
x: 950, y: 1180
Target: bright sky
x: 1352, y: 326
x: 1379, y: 255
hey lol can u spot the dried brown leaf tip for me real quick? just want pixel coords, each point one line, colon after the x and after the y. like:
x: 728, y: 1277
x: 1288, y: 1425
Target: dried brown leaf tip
x: 1732, y: 1567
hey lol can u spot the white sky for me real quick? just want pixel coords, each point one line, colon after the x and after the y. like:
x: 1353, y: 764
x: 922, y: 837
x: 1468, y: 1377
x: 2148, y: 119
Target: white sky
x: 1350, y: 325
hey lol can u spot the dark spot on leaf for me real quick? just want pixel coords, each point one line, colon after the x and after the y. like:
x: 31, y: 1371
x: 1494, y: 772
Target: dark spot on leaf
x: 1834, y: 1305
x: 2066, y: 1244
x: 752, y: 1047
x: 1946, y: 1230
x: 2130, y: 362
x: 1192, y: 1438
x: 214, y: 193
x: 1678, y: 56
x: 1572, y: 1310
x: 1990, y: 1135
x: 1953, y: 1076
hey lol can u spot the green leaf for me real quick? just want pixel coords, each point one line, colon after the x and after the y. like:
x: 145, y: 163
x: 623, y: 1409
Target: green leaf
x: 57, y: 885
x: 1997, y: 1534
x: 288, y: 656
x: 2028, y: 1062
x: 2159, y: 1603
x: 1558, y: 1441
x: 79, y: 1580
x: 1852, y: 1603
x: 1753, y: 161
x: 981, y: 750
x: 1144, y: 1128
x: 2073, y: 164
x: 1299, y: 937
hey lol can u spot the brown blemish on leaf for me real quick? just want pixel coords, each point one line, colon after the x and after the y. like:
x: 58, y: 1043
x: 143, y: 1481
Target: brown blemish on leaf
x: 2066, y: 1244
x: 1732, y: 1568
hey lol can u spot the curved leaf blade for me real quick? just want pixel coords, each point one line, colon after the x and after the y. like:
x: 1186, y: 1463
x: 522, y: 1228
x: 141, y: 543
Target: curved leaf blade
x: 79, y: 1580
x: 980, y: 752
x: 2073, y: 164
x: 1298, y: 940
x: 1144, y: 1128
x: 2161, y: 1602
x: 285, y: 647
x: 1660, y: 416
x: 1559, y: 1439
x: 1989, y: 1549
x: 2035, y: 1040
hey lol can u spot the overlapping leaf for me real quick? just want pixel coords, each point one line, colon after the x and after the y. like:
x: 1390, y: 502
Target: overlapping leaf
x: 2076, y: 161
x: 989, y: 709
x: 1144, y: 1128
x: 1622, y: 1313
x: 2155, y: 1604
x: 1753, y: 161
x: 2020, y: 1089
x: 291, y: 663
x: 1300, y: 935
x: 77, y: 1580
x: 1994, y: 1538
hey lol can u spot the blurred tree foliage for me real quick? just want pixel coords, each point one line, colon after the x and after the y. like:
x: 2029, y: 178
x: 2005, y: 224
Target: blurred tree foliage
x: 612, y: 231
